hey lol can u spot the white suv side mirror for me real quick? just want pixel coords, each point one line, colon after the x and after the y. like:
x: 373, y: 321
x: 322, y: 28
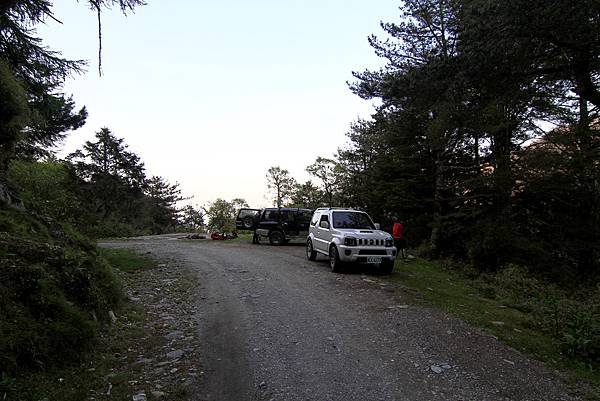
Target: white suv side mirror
x: 324, y: 224
x: 377, y: 226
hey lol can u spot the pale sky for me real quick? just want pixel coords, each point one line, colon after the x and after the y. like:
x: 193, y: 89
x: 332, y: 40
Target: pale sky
x: 212, y: 94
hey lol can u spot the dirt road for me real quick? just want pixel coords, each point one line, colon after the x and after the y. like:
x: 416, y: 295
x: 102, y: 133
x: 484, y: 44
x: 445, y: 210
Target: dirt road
x: 275, y: 326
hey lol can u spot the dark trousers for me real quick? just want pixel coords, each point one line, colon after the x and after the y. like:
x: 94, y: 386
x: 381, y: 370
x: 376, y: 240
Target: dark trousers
x: 400, y: 244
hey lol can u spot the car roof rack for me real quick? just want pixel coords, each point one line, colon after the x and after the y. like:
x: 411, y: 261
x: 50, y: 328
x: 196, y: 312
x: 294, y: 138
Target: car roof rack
x: 335, y: 208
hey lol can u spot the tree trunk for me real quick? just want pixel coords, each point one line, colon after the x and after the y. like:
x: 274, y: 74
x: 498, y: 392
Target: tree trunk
x: 278, y: 196
x: 503, y: 177
x: 582, y: 74
x: 436, y: 224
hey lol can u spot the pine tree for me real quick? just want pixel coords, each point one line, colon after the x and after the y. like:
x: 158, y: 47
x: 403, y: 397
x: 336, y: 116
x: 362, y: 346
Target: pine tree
x: 38, y: 74
x: 162, y: 199
x: 327, y: 171
x: 115, y: 177
x: 280, y: 181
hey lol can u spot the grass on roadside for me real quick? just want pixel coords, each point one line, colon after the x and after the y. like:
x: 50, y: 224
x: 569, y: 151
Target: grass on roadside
x: 243, y: 236
x: 102, y: 370
x: 127, y: 260
x: 429, y: 284
x: 96, y: 371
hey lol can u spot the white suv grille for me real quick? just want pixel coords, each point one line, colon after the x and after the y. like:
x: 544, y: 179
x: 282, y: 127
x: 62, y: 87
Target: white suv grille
x: 373, y: 242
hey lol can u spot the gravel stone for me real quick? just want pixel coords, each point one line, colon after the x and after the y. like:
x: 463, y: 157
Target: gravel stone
x: 177, y: 354
x: 436, y: 369
x: 379, y: 354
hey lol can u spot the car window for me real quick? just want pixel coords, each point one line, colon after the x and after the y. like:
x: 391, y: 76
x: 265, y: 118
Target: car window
x: 287, y: 215
x: 315, y: 219
x: 324, y: 217
x: 354, y: 220
x: 270, y: 215
x: 247, y: 212
x: 304, y: 216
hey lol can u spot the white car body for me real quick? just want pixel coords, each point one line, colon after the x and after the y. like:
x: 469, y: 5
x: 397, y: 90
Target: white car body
x: 366, y: 244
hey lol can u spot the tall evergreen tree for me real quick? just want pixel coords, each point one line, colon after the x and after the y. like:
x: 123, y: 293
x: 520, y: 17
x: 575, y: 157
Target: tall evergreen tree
x: 327, y: 171
x: 115, y: 177
x: 280, y: 181
x: 191, y: 218
x: 33, y: 72
x: 307, y: 195
x: 460, y: 106
x: 423, y: 97
x: 162, y: 199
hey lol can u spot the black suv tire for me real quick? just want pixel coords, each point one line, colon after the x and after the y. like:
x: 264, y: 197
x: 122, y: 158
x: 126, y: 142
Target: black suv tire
x: 248, y: 222
x: 276, y: 237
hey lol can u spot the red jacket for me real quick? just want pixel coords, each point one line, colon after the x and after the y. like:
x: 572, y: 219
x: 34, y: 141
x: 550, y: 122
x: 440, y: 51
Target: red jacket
x: 398, y: 230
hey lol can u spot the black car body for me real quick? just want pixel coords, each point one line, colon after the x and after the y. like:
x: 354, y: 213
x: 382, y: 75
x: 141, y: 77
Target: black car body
x: 279, y: 225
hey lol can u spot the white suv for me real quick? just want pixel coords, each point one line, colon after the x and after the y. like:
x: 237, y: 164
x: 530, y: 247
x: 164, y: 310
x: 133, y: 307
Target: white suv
x: 348, y: 235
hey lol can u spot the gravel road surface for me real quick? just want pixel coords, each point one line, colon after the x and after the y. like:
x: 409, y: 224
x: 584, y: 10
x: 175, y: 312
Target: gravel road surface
x: 274, y: 326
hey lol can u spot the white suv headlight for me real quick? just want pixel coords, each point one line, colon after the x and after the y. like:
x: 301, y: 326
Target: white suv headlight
x: 350, y: 241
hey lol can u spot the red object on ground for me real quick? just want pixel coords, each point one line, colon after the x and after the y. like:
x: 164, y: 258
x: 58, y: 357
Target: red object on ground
x: 218, y: 236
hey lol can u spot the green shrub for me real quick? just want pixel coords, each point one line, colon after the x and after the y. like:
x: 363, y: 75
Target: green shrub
x: 581, y: 333
x: 573, y: 319
x: 52, y: 286
x: 47, y: 188
x: 113, y: 229
x: 491, y: 246
x: 424, y: 250
x: 127, y: 260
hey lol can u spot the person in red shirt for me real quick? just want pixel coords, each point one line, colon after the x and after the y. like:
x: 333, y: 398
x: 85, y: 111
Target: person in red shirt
x: 398, y: 235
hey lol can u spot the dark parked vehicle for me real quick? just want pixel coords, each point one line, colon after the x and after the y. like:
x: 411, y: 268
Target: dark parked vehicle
x: 279, y: 225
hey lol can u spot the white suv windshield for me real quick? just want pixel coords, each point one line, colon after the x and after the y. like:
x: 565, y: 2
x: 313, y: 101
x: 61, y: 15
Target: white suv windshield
x: 355, y: 220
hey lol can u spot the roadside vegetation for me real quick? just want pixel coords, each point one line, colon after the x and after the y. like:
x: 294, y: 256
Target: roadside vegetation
x: 55, y: 294
x: 542, y: 320
x: 95, y: 368
x: 126, y: 260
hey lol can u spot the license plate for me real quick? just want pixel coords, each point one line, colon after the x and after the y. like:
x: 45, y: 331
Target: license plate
x: 373, y: 259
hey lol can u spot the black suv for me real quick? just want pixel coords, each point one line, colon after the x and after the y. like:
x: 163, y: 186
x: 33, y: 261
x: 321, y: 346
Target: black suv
x: 278, y: 224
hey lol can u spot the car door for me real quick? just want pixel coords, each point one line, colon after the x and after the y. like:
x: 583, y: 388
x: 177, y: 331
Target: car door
x: 247, y: 219
x: 303, y: 221
x: 269, y: 220
x: 288, y: 222
x: 322, y: 234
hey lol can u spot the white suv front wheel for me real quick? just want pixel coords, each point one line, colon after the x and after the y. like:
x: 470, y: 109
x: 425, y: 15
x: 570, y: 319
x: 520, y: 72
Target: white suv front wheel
x: 334, y: 259
x: 386, y: 267
x: 311, y: 254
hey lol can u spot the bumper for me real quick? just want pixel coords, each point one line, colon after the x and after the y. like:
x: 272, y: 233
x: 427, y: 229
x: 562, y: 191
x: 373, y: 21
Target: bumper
x: 358, y: 254
x: 262, y: 232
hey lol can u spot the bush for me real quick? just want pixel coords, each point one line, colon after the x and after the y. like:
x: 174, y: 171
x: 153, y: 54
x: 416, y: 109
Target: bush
x: 113, y: 229
x: 571, y: 318
x: 581, y: 334
x: 424, y: 250
x: 490, y: 246
x: 52, y: 285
